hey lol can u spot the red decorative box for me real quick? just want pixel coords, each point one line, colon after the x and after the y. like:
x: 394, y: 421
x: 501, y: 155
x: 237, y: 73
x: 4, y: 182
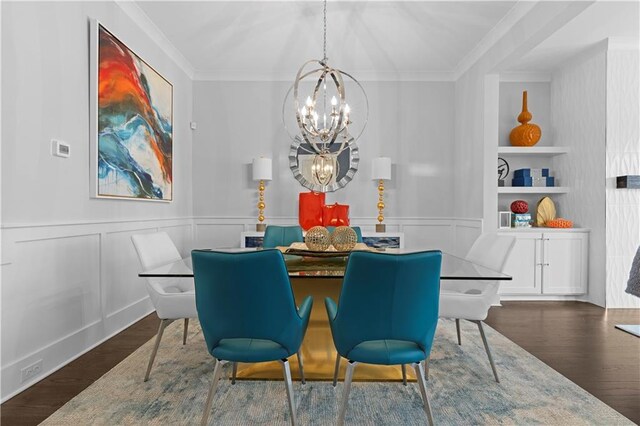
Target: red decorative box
x: 310, y: 206
x: 335, y: 215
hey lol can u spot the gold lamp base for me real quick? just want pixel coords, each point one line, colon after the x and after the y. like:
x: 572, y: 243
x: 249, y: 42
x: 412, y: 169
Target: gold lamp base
x: 381, y: 227
x: 261, y: 227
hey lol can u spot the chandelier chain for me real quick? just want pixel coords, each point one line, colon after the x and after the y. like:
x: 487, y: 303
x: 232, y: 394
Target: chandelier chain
x: 324, y: 51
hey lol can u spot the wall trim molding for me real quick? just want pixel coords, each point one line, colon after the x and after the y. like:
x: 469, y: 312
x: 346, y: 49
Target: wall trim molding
x: 18, y: 225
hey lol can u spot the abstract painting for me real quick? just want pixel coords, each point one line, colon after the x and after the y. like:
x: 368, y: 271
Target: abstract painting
x: 134, y: 155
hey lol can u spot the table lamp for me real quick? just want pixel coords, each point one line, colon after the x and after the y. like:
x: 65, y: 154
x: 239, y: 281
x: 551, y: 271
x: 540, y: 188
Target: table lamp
x: 381, y: 171
x: 261, y: 172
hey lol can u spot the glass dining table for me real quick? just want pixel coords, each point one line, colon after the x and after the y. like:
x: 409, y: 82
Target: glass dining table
x: 321, y: 277
x: 313, y: 266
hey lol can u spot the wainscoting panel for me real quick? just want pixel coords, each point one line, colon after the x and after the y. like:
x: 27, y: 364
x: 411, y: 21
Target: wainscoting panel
x: 68, y: 287
x: 49, y: 276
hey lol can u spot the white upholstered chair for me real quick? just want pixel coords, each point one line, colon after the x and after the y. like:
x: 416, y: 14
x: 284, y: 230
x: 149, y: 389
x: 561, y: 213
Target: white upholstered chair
x: 471, y: 300
x: 173, y: 298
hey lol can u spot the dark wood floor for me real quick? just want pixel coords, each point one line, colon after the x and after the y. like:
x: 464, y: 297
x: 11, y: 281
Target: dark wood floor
x: 579, y: 341
x: 576, y: 339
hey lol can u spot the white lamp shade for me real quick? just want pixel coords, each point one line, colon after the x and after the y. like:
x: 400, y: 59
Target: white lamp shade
x: 262, y: 168
x: 381, y: 168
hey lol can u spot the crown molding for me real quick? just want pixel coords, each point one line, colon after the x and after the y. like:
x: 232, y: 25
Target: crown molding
x: 517, y: 12
x: 139, y: 16
x: 289, y: 76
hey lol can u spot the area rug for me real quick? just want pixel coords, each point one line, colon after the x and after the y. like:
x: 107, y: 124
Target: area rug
x: 461, y: 389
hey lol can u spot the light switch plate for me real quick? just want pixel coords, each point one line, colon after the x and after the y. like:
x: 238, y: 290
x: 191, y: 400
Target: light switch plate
x: 60, y: 149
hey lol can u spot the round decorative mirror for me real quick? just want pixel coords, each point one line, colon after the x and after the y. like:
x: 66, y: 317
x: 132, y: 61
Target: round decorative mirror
x: 326, y: 172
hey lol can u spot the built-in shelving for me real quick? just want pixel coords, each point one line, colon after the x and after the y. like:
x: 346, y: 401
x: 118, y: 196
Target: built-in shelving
x: 542, y: 151
x: 533, y: 189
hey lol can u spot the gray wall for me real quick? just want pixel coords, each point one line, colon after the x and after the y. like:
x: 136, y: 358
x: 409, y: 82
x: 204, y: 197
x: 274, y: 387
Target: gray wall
x: 45, y: 82
x: 411, y: 122
x: 67, y: 288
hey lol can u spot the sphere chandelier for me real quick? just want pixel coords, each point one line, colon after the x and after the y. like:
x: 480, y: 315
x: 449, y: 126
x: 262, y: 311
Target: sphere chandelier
x: 324, y: 117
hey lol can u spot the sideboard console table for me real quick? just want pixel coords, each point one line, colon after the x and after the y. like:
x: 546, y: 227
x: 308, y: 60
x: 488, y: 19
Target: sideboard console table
x: 251, y: 239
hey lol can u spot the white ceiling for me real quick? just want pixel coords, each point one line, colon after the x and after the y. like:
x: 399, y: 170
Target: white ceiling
x: 605, y: 19
x: 271, y: 39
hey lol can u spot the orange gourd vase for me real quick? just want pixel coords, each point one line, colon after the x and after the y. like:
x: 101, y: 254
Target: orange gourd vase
x: 526, y: 134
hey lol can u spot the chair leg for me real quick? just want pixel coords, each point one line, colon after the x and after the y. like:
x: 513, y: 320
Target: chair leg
x: 301, y: 367
x: 423, y: 390
x: 458, y: 330
x: 426, y: 367
x: 234, y: 372
x: 486, y: 347
x: 186, y: 328
x: 217, y: 372
x: 163, y: 324
x: 404, y: 374
x: 351, y: 365
x: 289, y: 385
x: 335, y: 372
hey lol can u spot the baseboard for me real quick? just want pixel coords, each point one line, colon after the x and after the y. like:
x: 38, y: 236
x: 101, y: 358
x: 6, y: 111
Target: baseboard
x: 542, y: 298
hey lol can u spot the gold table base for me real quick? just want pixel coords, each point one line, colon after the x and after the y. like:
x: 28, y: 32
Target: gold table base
x: 318, y: 351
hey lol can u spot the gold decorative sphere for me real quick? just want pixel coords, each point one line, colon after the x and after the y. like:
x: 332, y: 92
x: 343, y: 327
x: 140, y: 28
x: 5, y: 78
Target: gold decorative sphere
x: 380, y: 205
x: 344, y: 238
x: 260, y: 218
x: 380, y: 187
x: 317, y: 238
x: 261, y: 198
x: 261, y: 205
x: 261, y: 187
x: 380, y: 218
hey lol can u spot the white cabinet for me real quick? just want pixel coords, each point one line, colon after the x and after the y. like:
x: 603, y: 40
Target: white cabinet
x: 547, y: 263
x: 564, y: 266
x: 524, y: 266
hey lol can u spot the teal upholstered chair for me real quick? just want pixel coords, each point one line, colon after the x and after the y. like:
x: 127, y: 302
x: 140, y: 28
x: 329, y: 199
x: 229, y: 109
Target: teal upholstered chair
x: 275, y: 236
x: 248, y: 313
x: 355, y: 228
x: 387, y: 315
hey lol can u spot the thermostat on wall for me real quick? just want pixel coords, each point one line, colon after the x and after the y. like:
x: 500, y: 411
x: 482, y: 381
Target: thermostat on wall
x: 60, y: 148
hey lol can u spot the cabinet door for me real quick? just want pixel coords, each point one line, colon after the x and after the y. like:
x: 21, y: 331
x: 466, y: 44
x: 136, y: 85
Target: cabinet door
x: 565, y: 261
x: 524, y: 265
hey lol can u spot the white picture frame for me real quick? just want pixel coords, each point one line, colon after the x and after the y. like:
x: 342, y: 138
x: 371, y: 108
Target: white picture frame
x: 504, y: 220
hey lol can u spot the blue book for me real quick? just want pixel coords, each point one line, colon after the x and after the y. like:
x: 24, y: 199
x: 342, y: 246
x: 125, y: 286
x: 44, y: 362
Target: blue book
x: 522, y: 181
x: 520, y: 173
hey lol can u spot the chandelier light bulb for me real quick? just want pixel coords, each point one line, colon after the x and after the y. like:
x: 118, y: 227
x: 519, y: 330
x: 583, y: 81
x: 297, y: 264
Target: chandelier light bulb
x: 334, y: 101
x: 303, y: 111
x: 309, y: 102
